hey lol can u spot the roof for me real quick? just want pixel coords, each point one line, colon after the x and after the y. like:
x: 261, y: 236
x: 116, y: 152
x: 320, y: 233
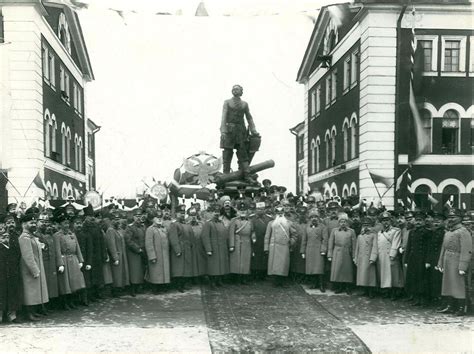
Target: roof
x: 297, y: 128
x: 92, y: 125
x: 76, y: 34
x: 342, y: 14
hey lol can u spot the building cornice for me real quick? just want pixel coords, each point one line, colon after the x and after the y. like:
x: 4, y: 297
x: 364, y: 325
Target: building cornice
x: 334, y: 171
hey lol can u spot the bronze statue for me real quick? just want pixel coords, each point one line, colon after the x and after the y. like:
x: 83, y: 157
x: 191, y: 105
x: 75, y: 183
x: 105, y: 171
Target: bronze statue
x: 235, y: 135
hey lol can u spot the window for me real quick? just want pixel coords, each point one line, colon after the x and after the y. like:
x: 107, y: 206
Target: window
x: 79, y: 100
x: 300, y: 179
x: 451, y: 193
x: 333, y: 148
x: 47, y: 134
x: 426, y: 121
x: 318, y: 99
x: 80, y: 155
x: 313, y: 156
x: 312, y: 103
x: 328, y: 90
x: 354, y: 67
x: 471, y: 55
x: 64, y: 84
x: 89, y: 144
x: 421, y: 197
x: 68, y: 147
x: 450, y: 132
x: 76, y: 152
x: 426, y: 48
x: 346, y: 142
x: 318, y: 148
x: 63, y: 32
x: 353, y: 139
x: 347, y: 73
x: 74, y: 95
x: 326, y: 139
x: 54, y: 128
x: 52, y: 70
x: 334, y: 85
x: 472, y: 135
x: 45, y: 63
x: 453, y: 58
x: 63, y: 144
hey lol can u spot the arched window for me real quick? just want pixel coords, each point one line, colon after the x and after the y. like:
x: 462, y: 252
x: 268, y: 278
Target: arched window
x: 327, y: 141
x: 345, y: 191
x: 450, y: 132
x: 333, y: 148
x: 80, y: 154
x: 353, y: 138
x: 47, y: 133
x: 301, y: 179
x: 54, y: 128
x: 318, y: 158
x: 427, y: 122
x: 421, y: 197
x: 64, y: 191
x: 55, y: 194
x: 353, y: 189
x: 70, y: 190
x: 63, y: 144
x: 313, y: 156
x: 63, y: 32
x: 49, y: 190
x: 345, y: 134
x: 76, y: 152
x: 68, y: 146
x: 451, y: 192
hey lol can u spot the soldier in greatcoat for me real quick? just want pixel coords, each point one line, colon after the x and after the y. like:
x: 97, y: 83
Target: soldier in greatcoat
x: 366, y: 271
x: 259, y: 261
x: 279, y: 238
x: 434, y: 249
x: 118, y: 257
x: 385, y: 253
x: 50, y: 254
x: 10, y: 280
x: 297, y: 263
x: 158, y: 253
x: 215, y: 239
x: 241, y: 236
x: 35, y: 289
x: 314, y: 247
x: 136, y: 252
x: 86, y: 245
x: 453, y: 262
x: 181, y: 237
x: 341, y: 250
x: 199, y: 253
x: 417, y: 280
x: 70, y: 261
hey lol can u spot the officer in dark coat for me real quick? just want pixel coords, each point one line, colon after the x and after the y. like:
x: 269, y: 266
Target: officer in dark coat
x: 434, y: 249
x: 259, y: 262
x: 234, y: 133
x: 416, y: 261
x: 181, y: 239
x: 87, y: 249
x: 10, y: 281
x: 136, y: 252
x: 98, y: 257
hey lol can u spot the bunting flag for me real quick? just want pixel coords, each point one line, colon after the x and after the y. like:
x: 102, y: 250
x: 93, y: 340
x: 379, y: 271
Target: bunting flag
x: 432, y: 199
x: 421, y: 137
x: 38, y: 182
x: 387, y: 182
x: 404, y: 190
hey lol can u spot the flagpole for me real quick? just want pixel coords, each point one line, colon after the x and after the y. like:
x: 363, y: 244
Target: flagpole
x: 394, y: 182
x: 11, y: 185
x: 27, y: 189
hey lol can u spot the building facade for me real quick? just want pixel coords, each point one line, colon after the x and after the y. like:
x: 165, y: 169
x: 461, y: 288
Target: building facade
x: 44, y: 67
x: 357, y: 74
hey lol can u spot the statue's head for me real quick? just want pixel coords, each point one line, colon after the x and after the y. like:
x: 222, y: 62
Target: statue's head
x: 237, y: 90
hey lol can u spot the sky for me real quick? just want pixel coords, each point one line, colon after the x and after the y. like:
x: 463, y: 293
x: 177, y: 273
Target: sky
x: 160, y: 82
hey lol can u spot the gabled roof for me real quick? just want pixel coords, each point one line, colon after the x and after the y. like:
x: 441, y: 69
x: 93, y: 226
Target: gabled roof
x: 297, y: 128
x: 76, y: 36
x: 326, y: 14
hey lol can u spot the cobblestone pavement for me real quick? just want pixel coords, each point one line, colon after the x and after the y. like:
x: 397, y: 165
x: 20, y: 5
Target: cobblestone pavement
x: 396, y: 326
x: 260, y: 317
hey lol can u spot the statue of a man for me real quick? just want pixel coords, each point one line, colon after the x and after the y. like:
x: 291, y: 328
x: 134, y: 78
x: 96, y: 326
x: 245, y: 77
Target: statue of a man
x: 234, y: 133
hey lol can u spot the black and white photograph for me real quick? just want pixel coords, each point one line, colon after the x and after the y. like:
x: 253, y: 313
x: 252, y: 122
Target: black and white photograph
x: 213, y: 176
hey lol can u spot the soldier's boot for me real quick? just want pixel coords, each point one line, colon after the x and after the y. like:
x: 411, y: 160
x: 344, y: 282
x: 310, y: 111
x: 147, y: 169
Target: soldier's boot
x: 322, y: 284
x: 226, y: 160
x: 84, y: 298
x: 460, y: 307
x: 29, y: 314
x: 449, y: 308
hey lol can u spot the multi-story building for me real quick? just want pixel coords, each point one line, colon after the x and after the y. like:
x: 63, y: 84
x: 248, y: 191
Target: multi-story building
x: 44, y: 67
x: 357, y: 74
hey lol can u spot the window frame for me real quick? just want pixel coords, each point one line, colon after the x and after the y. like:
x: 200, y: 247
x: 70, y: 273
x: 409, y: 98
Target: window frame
x: 471, y: 55
x: 334, y: 86
x: 52, y: 70
x: 458, y: 132
x: 347, y: 74
x: 462, y: 55
x: 312, y: 103
x: 355, y: 55
x: 328, y: 90
x: 45, y: 63
x: 434, y: 53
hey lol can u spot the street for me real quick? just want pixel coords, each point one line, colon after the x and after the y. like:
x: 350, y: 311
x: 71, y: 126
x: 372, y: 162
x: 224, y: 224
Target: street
x: 254, y: 317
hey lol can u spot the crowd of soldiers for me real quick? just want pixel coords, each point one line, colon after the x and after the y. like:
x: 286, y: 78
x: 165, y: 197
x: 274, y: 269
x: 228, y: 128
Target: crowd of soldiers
x: 60, y: 259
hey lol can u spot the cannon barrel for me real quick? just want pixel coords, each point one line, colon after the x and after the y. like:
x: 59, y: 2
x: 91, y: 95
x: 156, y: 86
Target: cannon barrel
x: 235, y: 176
